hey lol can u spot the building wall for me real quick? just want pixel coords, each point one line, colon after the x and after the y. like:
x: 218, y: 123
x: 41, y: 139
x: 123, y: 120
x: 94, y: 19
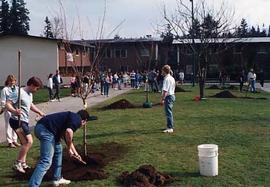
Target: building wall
x: 39, y: 57
x: 133, y: 60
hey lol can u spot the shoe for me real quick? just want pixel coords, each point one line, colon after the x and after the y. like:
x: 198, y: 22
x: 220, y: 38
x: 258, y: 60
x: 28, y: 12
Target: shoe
x: 168, y: 131
x: 25, y: 166
x: 61, y: 181
x: 11, y: 145
x: 16, y: 144
x: 18, y: 167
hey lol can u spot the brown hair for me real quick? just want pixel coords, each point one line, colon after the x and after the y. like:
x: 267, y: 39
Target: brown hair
x: 166, y: 69
x: 9, y: 79
x: 35, y: 81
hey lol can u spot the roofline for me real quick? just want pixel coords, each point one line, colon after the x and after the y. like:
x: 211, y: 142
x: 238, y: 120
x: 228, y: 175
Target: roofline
x: 225, y: 40
x: 28, y: 36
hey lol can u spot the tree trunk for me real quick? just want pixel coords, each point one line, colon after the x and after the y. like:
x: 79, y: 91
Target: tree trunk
x: 201, y: 85
x: 84, y: 132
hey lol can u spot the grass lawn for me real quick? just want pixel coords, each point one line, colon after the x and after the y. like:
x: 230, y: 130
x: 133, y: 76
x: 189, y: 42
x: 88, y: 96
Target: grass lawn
x: 240, y: 127
x: 42, y: 95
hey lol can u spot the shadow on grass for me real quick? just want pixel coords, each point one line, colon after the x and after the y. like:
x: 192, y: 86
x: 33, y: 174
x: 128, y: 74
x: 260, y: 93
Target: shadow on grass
x: 127, y: 132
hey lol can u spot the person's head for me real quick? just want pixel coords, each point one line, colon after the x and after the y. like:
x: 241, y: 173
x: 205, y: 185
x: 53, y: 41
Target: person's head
x: 10, y: 81
x: 50, y: 75
x: 33, y: 84
x: 166, y: 70
x: 57, y: 72
x: 84, y: 116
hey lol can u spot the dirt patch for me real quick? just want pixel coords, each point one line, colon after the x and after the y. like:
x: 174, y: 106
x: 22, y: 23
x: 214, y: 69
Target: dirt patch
x: 145, y: 176
x: 224, y: 94
x: 121, y: 104
x: 96, y: 160
x: 179, y: 89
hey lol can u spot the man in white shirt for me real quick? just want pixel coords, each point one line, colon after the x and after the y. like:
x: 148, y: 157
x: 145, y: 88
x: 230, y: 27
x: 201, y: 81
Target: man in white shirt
x: 168, y: 97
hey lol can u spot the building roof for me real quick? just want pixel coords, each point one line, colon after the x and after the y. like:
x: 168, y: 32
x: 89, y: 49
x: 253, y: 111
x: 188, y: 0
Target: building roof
x: 27, y: 36
x: 226, y: 40
x: 122, y: 40
x: 81, y: 43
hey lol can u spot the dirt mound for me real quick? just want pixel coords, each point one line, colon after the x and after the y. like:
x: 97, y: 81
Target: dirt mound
x: 224, y: 94
x: 145, y: 176
x: 179, y: 89
x: 121, y: 104
x: 214, y: 87
x: 96, y: 160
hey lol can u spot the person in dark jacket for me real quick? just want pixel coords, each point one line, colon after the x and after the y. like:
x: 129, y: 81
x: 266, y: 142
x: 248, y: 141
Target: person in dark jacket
x: 49, y: 130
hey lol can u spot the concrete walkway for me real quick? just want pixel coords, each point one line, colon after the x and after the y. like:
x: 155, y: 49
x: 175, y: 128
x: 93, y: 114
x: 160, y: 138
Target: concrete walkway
x: 67, y: 104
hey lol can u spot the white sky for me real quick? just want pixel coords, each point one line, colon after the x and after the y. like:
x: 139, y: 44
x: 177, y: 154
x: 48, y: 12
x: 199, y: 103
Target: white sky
x: 140, y: 16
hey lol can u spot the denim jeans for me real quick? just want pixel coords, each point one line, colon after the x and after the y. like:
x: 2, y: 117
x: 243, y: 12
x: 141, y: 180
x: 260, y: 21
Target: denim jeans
x: 168, y: 105
x: 50, y: 154
x: 106, y: 88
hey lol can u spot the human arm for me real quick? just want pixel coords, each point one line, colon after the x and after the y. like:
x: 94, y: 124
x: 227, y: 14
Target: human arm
x: 36, y: 110
x: 164, y: 94
x: 70, y: 146
x: 11, y: 109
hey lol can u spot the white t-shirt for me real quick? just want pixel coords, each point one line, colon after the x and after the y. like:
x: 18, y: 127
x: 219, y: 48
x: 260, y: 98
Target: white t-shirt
x: 50, y: 83
x: 26, y: 101
x: 169, y: 85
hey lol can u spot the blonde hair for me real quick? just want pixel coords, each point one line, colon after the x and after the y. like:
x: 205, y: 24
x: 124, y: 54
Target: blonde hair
x: 9, y: 79
x: 166, y: 69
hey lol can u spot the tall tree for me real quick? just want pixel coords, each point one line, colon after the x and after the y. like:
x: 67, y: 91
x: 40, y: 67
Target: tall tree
x: 4, y: 17
x: 19, y: 19
x: 211, y: 24
x: 48, y: 28
x: 242, y: 30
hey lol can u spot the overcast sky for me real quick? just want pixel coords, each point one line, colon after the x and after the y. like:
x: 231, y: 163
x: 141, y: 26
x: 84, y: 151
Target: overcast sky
x: 138, y: 17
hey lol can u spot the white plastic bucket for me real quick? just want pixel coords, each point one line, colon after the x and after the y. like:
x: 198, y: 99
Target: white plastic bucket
x: 208, y: 159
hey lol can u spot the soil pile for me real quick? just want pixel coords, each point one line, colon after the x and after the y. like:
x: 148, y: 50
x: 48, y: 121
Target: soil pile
x: 179, y: 89
x: 224, y: 94
x: 121, y: 104
x: 96, y: 160
x: 145, y: 176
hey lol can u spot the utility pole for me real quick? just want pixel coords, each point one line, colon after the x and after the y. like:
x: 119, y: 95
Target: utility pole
x: 193, y: 42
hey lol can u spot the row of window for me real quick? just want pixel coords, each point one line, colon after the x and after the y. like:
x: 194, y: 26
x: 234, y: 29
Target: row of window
x: 123, y: 53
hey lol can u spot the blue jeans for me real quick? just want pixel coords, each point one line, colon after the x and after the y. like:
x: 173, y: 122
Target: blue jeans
x: 50, y: 154
x: 106, y: 88
x: 168, y: 105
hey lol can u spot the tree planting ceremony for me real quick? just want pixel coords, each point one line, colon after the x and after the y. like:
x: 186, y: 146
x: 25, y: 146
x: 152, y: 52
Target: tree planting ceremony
x: 125, y: 93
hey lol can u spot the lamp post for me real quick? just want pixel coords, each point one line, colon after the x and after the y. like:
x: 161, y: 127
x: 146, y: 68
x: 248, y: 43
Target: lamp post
x: 193, y: 42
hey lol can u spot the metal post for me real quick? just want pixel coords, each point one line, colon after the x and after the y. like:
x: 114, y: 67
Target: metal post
x: 193, y: 42
x: 19, y: 83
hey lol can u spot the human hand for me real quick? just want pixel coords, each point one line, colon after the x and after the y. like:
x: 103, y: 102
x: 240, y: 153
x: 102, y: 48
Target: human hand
x: 162, y: 102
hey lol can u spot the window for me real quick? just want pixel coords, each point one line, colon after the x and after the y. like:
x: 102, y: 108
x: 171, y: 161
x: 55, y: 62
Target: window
x: 117, y: 53
x: 144, y: 52
x: 237, y: 50
x: 123, y: 53
x: 262, y: 50
x: 108, y: 53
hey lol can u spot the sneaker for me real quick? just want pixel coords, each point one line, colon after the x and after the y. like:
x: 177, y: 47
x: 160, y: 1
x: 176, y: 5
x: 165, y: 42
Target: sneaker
x: 25, y: 166
x: 16, y: 144
x: 61, y: 181
x: 18, y: 167
x: 11, y: 145
x: 168, y: 131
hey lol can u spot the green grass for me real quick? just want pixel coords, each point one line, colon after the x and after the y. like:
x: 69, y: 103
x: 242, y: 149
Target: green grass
x: 240, y: 127
x: 42, y: 95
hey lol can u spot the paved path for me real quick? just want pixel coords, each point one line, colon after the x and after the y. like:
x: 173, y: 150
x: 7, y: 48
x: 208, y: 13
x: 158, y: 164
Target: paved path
x: 66, y: 104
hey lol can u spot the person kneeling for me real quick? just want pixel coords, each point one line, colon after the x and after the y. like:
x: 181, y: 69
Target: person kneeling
x: 49, y: 130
